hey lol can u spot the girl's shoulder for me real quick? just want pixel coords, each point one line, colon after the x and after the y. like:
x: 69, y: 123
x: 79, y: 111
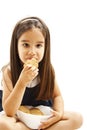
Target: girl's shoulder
x: 6, y: 76
x: 5, y: 68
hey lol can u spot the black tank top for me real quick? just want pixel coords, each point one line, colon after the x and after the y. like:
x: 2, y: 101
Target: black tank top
x: 30, y: 96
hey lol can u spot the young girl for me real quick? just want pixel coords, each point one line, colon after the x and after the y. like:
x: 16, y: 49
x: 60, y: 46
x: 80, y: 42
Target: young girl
x: 31, y: 85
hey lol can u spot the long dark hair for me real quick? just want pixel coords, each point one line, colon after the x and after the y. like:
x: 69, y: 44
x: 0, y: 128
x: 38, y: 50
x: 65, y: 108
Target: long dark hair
x: 45, y: 67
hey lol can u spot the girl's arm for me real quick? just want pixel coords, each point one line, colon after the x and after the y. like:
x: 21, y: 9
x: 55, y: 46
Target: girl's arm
x: 58, y: 108
x: 58, y: 103
x: 12, y: 97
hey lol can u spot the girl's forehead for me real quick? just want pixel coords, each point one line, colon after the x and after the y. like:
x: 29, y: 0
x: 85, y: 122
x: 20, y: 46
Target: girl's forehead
x: 33, y: 33
x: 34, y: 29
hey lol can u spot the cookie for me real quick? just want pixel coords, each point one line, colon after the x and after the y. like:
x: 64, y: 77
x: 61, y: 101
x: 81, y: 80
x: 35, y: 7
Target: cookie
x: 32, y: 62
x: 24, y: 109
x: 35, y: 111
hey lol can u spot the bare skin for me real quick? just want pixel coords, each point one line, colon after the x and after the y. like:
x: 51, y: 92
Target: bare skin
x: 68, y: 122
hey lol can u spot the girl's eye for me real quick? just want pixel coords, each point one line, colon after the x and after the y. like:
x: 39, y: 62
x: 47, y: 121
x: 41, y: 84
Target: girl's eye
x: 39, y: 45
x: 25, y: 44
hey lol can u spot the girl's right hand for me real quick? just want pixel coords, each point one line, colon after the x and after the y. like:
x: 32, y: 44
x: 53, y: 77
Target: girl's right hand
x: 28, y: 73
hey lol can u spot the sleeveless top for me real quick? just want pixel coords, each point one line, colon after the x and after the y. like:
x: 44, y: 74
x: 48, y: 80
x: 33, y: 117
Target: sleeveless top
x: 30, y: 96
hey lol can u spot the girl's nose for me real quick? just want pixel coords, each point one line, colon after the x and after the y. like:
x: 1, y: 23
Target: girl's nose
x: 31, y: 51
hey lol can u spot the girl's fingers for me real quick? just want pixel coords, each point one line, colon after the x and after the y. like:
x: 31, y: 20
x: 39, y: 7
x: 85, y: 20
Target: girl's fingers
x: 50, y: 121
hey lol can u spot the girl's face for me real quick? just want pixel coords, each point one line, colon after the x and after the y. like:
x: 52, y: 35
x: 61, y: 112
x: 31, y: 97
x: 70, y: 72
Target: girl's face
x: 31, y: 44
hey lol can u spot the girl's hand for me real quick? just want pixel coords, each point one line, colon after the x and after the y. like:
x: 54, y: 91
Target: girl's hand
x: 55, y: 118
x: 28, y: 74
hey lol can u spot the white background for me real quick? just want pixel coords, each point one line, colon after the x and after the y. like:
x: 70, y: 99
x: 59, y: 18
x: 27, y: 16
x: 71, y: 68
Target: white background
x: 67, y: 22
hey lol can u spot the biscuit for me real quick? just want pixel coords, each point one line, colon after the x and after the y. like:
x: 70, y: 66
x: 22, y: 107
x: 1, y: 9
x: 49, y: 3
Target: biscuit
x: 24, y: 109
x: 32, y: 62
x: 33, y: 111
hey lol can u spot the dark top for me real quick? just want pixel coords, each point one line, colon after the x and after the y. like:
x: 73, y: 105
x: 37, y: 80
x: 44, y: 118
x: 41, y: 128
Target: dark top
x: 30, y: 96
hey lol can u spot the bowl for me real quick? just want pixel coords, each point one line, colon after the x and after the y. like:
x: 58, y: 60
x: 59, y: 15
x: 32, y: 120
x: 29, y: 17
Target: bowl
x: 34, y: 121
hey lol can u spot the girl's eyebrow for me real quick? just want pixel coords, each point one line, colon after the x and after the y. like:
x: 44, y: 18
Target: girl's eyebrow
x: 29, y: 41
x: 25, y: 41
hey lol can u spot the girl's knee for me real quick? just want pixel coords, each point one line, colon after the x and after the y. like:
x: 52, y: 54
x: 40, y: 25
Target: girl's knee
x: 77, y: 120
x: 3, y: 125
x: 6, y: 122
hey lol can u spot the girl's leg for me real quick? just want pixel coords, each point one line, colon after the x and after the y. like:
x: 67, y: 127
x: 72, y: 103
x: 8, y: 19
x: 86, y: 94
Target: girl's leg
x: 70, y: 121
x: 10, y: 123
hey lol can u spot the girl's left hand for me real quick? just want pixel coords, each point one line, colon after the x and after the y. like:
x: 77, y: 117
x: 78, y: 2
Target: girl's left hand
x: 56, y: 116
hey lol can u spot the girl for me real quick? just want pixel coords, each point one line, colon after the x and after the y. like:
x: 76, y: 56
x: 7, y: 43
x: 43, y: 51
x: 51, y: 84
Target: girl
x: 31, y: 85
